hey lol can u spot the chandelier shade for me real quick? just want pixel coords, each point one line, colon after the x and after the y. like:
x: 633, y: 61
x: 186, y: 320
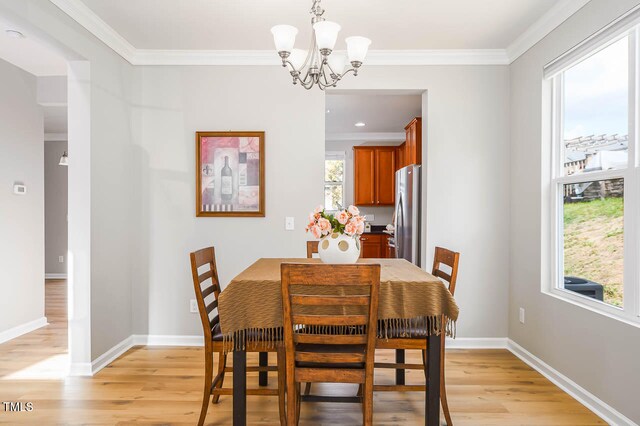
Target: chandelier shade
x: 337, y: 62
x: 319, y: 65
x: 297, y: 58
x: 326, y: 34
x: 284, y: 37
x: 357, y: 48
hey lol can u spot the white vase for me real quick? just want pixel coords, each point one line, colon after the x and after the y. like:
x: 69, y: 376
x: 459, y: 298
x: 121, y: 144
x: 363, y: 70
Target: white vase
x: 339, y: 248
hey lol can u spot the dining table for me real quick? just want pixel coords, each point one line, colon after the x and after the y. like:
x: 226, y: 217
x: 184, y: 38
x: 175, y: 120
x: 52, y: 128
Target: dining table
x: 250, y: 308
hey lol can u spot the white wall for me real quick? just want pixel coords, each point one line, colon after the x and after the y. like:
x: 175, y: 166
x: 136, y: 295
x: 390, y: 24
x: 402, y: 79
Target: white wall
x: 21, y: 216
x: 466, y: 148
x: 172, y: 104
x: 55, y: 207
x: 382, y: 215
x: 102, y: 217
x: 466, y: 184
x: 598, y: 353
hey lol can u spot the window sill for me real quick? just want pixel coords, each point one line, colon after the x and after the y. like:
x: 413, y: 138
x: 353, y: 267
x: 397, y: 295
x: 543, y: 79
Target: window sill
x: 597, y: 307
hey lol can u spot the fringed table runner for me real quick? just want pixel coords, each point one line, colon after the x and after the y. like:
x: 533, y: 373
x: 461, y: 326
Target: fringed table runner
x: 250, y: 307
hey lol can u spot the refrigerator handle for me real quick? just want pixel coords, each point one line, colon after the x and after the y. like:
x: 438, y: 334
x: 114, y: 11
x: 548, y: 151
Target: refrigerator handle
x: 399, y: 225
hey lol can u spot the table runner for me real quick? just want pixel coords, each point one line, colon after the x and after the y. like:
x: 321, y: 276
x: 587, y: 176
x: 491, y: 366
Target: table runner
x: 250, y: 307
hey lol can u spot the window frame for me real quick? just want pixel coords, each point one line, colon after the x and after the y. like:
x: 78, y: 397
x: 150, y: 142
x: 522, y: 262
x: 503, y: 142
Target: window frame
x: 630, y: 311
x: 336, y: 155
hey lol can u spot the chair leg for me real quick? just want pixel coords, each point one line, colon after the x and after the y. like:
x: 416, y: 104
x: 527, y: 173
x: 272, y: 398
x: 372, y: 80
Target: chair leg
x: 222, y: 364
x: 307, y: 388
x: 298, y: 399
x: 400, y: 377
x: 291, y: 398
x: 208, y: 379
x: 282, y: 384
x: 443, y: 388
x: 367, y: 403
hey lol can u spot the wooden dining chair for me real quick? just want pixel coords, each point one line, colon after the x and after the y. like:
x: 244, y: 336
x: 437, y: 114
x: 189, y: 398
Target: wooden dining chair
x: 402, y: 339
x: 312, y: 248
x: 328, y: 337
x: 207, y: 290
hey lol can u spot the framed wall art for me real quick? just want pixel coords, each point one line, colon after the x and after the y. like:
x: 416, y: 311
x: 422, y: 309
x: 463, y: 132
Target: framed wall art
x: 230, y: 174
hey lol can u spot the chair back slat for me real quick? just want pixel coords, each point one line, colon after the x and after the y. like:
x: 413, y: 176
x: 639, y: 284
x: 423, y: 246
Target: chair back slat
x: 330, y: 300
x: 329, y: 357
x: 450, y: 258
x: 329, y: 320
x: 203, y: 277
x: 206, y: 284
x: 330, y: 339
x: 211, y: 306
x: 312, y: 248
x: 209, y: 290
x: 330, y: 305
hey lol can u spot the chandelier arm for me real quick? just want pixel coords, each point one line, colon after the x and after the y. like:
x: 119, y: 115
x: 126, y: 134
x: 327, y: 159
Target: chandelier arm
x: 316, y: 68
x: 353, y: 70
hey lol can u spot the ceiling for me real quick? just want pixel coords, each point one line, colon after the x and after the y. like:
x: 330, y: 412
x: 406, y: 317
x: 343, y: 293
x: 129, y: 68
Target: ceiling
x: 381, y: 113
x: 245, y: 24
x: 29, y: 54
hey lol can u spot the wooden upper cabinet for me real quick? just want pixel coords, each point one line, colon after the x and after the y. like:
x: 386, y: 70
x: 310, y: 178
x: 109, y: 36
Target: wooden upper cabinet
x: 400, y: 152
x: 374, y: 175
x: 385, y: 176
x: 364, y: 176
x: 413, y: 148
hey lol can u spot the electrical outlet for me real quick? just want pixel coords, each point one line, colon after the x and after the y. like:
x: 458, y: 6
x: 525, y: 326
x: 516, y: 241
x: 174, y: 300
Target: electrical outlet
x: 289, y: 223
x: 193, y: 306
x: 521, y: 315
x: 369, y: 217
x: 60, y: 259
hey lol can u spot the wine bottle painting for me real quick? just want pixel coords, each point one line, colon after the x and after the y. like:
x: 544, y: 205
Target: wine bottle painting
x: 230, y: 174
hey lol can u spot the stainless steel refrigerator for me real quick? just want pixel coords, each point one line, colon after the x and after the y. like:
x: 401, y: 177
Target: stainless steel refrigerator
x: 408, y: 215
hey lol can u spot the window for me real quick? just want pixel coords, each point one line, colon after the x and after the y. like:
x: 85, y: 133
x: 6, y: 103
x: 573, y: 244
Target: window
x: 334, y: 181
x: 594, y: 173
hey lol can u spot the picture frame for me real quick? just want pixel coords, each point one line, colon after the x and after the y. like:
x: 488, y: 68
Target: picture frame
x: 230, y: 175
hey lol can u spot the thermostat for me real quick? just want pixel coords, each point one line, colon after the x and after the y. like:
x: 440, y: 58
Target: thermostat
x: 19, y: 189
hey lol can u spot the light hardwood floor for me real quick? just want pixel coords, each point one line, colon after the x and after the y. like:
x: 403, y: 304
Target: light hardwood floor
x: 160, y: 385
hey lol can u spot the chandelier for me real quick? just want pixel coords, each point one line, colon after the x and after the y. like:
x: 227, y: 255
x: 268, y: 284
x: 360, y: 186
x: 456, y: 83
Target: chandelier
x: 319, y: 65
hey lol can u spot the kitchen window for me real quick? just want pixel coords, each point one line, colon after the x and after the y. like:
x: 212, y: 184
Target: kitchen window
x: 595, y: 187
x: 334, y: 181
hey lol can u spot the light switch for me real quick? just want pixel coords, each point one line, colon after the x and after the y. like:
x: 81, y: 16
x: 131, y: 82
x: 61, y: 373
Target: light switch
x: 289, y: 223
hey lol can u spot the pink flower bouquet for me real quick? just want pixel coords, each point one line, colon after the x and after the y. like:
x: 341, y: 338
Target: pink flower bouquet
x: 348, y: 222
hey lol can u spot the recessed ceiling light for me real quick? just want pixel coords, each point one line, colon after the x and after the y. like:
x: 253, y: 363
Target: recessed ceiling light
x: 14, y: 34
x: 328, y: 111
x: 360, y: 124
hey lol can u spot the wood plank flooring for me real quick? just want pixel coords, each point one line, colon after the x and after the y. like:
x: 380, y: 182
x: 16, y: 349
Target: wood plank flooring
x: 160, y: 385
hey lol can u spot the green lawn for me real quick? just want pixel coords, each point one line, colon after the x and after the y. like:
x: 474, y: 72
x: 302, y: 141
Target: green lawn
x: 593, y: 244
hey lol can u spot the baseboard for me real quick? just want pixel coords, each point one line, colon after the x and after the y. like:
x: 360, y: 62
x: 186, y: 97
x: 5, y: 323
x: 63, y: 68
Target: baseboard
x: 21, y: 329
x: 166, y: 340
x: 593, y: 403
x: 54, y: 276
x: 82, y: 369
x: 477, y: 343
x: 111, y: 355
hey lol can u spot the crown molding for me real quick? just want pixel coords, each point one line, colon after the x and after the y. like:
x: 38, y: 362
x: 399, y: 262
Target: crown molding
x: 268, y: 57
x: 366, y: 137
x: 80, y: 12
x: 555, y: 16
x: 84, y: 16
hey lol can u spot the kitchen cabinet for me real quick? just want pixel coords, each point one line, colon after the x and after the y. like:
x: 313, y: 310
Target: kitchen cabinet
x: 390, y: 252
x: 400, y: 163
x: 371, y: 246
x: 374, y: 175
x: 413, y: 147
